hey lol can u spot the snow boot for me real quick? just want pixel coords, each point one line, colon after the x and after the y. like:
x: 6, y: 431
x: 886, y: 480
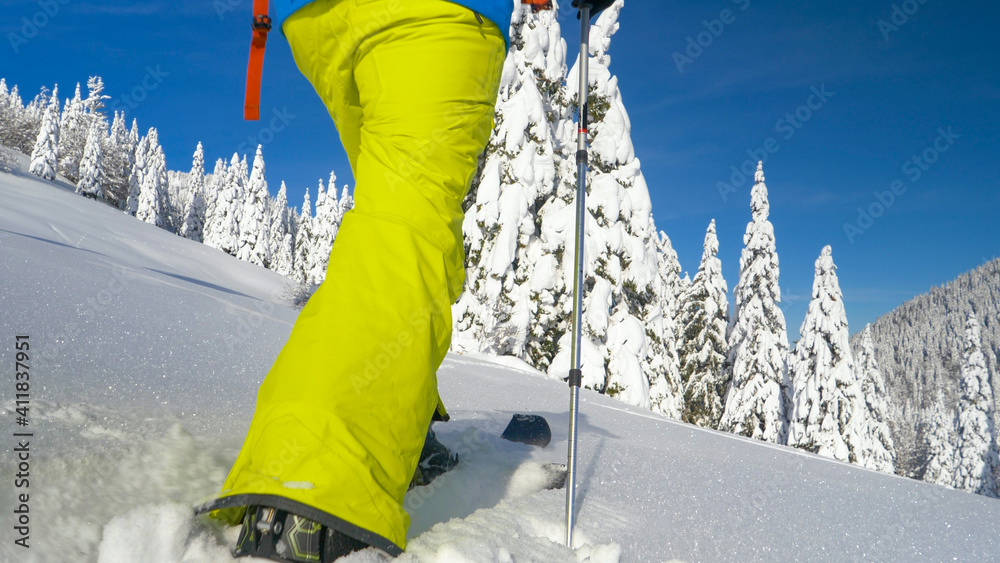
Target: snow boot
x: 278, y: 535
x: 435, y: 459
x: 528, y: 429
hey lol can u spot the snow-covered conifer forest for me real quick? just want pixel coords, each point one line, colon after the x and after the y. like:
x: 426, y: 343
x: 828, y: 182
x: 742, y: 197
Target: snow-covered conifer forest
x: 928, y: 356
x: 913, y: 393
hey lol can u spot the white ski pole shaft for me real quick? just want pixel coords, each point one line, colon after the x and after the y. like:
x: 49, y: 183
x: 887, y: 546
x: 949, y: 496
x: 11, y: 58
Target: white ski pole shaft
x: 575, y: 375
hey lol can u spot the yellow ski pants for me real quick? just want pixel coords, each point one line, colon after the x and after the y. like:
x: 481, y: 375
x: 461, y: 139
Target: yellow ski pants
x: 342, y: 415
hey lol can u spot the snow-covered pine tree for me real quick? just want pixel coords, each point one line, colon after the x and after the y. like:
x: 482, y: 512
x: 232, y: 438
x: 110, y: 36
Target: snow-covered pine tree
x: 553, y: 255
x: 224, y: 231
x: 666, y: 390
x: 45, y: 156
x: 702, y: 319
x: 282, y: 241
x: 879, y: 452
x: 976, y: 459
x: 322, y: 233
x: 302, y: 258
x: 243, y: 178
x: 620, y: 357
x: 758, y: 340
x: 194, y: 212
x: 73, y: 129
x: 91, y: 167
x: 338, y: 211
x: 548, y: 262
x: 323, y: 227
x: 335, y: 207
x: 255, y: 236
x: 326, y: 224
x: 26, y: 121
x: 492, y: 314
x: 674, y: 286
x: 940, y: 468
x: 116, y: 166
x: 827, y: 414
x: 908, y: 430
x: 130, y: 149
x: 175, y: 201
x: 8, y: 117
x: 346, y: 203
x: 138, y: 171
x: 12, y: 133
x: 34, y: 111
x: 152, y: 203
x: 14, y: 97
x: 213, y: 188
x: 133, y: 141
x: 4, y: 117
x: 94, y: 104
x: 320, y: 197
x: 293, y: 231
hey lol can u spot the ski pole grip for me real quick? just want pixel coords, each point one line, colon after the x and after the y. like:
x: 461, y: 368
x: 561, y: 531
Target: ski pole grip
x: 575, y: 378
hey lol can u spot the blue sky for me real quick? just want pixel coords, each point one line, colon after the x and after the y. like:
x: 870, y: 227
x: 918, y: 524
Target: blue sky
x: 926, y: 87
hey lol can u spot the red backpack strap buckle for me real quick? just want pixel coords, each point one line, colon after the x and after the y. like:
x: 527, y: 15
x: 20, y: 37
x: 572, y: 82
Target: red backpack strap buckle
x: 255, y: 68
x: 262, y: 21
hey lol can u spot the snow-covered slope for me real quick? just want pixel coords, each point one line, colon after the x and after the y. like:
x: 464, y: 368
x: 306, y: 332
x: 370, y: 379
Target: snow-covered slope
x: 146, y: 353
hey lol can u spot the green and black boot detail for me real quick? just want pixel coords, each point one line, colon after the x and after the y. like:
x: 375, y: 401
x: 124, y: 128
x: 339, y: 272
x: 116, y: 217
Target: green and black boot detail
x: 279, y: 535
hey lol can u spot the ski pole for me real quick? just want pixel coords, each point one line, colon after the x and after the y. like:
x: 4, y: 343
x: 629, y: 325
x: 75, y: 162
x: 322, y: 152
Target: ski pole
x: 575, y: 375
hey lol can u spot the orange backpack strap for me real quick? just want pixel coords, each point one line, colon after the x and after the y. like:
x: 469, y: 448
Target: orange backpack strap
x: 261, y: 25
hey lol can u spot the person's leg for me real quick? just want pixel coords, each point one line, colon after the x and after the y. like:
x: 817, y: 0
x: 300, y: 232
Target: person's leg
x: 342, y: 415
